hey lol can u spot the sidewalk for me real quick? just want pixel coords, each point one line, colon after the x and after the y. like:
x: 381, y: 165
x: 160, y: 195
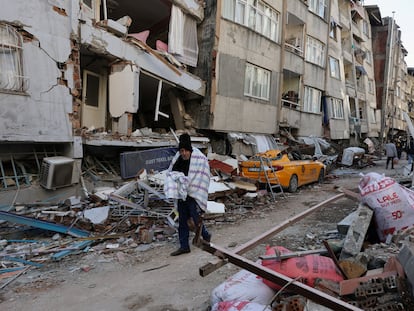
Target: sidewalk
x: 401, y: 170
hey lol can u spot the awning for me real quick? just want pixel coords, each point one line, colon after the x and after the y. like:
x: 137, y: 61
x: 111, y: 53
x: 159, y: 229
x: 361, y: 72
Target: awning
x: 361, y: 70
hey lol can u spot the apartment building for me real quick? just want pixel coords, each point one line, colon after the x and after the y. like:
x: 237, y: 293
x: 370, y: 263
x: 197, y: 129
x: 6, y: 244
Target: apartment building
x: 391, y: 74
x: 93, y: 76
x: 241, y: 63
x: 101, y: 77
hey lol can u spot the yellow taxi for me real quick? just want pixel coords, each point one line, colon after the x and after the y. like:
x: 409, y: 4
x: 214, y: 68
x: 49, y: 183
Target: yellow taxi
x: 284, y: 168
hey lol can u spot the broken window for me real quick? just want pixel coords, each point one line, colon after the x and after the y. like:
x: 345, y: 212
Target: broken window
x: 182, y: 37
x: 11, y: 65
x: 257, y: 82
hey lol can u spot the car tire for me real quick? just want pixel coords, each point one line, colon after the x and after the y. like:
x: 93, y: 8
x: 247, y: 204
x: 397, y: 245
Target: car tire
x: 321, y: 176
x: 293, y: 184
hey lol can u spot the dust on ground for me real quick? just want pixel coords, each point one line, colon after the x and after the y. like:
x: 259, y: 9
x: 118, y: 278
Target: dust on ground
x: 147, y: 278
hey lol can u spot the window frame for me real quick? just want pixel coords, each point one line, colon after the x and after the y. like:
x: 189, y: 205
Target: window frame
x: 254, y: 14
x: 318, y: 7
x: 336, y: 71
x: 12, y: 77
x: 371, y: 86
x: 315, y: 51
x: 309, y: 95
x: 333, y: 30
x: 337, y: 108
x: 257, y: 82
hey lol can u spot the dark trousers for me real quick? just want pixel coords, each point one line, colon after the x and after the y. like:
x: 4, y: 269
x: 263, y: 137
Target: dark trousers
x: 388, y: 161
x: 187, y: 210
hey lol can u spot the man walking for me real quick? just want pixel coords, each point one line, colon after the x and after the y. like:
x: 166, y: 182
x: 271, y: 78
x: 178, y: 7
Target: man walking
x: 391, y: 153
x: 188, y: 179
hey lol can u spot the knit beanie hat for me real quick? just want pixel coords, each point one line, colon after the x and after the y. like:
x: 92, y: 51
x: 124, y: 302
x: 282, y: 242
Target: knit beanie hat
x: 185, y: 142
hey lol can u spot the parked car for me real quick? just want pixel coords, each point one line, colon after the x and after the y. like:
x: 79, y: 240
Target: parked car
x: 290, y: 170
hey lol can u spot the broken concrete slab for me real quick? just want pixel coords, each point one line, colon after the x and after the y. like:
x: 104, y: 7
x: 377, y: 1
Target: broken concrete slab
x: 356, y: 232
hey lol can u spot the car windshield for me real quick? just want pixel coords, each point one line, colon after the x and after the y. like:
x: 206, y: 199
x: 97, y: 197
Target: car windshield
x: 277, y: 157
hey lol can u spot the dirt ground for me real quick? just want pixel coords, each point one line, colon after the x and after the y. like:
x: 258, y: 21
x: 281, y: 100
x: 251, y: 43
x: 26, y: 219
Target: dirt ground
x: 147, y: 278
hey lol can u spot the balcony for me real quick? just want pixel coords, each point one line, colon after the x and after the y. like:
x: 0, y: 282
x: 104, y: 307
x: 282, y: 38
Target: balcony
x: 294, y: 45
x: 289, y: 115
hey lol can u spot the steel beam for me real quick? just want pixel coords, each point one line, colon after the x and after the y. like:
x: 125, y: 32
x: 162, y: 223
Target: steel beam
x: 42, y: 224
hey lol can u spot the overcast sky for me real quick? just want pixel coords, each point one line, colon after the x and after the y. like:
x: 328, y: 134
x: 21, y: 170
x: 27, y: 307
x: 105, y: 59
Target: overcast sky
x: 404, y: 17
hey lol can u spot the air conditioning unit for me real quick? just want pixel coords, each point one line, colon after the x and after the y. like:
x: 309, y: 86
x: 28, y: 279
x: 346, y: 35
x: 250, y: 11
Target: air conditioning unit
x: 58, y: 172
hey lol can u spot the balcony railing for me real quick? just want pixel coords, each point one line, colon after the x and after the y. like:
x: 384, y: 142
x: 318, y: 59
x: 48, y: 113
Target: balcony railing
x: 294, y: 45
x: 290, y: 104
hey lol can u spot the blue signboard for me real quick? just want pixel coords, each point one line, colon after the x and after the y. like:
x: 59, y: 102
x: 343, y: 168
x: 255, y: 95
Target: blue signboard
x: 153, y: 159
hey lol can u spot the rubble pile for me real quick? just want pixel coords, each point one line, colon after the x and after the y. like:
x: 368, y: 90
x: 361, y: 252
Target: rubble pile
x: 365, y: 264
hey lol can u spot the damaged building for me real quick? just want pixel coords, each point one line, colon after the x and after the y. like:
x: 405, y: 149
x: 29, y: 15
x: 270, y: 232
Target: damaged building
x: 92, y: 79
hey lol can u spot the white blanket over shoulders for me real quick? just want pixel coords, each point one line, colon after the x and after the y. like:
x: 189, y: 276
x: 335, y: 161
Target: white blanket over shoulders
x: 196, y: 183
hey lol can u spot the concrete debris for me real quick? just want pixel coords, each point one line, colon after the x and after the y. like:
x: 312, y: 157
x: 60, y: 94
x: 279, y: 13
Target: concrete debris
x: 378, y: 276
x: 114, y: 223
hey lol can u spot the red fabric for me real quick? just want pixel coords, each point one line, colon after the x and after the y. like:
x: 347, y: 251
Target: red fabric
x: 309, y: 268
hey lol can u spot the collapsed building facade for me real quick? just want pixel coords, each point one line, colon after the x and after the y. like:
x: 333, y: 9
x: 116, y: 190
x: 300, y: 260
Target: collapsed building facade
x: 100, y: 77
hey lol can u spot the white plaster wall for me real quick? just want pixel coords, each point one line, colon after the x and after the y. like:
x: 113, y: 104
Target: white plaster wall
x: 42, y: 114
x: 233, y: 114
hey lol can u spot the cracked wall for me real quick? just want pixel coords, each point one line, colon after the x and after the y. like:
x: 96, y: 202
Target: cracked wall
x: 43, y: 112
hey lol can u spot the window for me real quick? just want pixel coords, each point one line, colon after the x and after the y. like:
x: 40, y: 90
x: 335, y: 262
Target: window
x: 257, y: 82
x: 318, y: 7
x: 315, y: 51
x: 365, y: 28
x: 337, y: 108
x: 368, y: 56
x: 312, y: 100
x: 333, y: 29
x: 88, y: 3
x: 371, y: 86
x: 254, y: 14
x: 334, y: 67
x: 11, y: 65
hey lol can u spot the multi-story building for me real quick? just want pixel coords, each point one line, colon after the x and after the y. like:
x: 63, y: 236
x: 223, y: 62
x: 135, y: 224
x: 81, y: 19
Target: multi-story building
x: 102, y: 77
x: 241, y: 62
x: 93, y: 76
x: 391, y: 77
